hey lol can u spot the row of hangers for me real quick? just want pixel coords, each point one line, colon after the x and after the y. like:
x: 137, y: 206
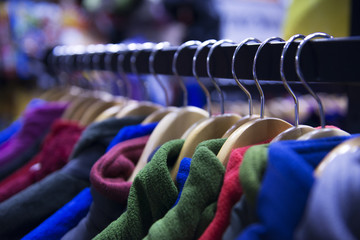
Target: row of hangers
x: 192, y: 123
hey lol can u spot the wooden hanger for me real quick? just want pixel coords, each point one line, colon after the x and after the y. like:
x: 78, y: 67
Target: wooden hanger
x: 214, y: 126
x: 64, y: 92
x: 109, y: 112
x: 83, y: 108
x: 98, y: 108
x: 239, y: 123
x: 192, y: 127
x: 86, y: 102
x: 298, y: 130
x: 251, y: 116
x: 138, y: 108
x: 105, y: 101
x: 72, y: 94
x: 351, y: 145
x: 93, y: 100
x: 323, y: 132
x: 172, y: 126
x: 252, y: 132
x: 159, y: 114
x: 255, y: 131
x: 54, y: 94
x: 119, y: 101
x: 76, y: 105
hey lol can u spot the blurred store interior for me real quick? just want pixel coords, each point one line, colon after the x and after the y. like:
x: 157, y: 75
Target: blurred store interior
x: 29, y: 28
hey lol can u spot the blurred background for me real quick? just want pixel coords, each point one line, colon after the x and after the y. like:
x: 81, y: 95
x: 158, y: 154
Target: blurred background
x: 28, y: 28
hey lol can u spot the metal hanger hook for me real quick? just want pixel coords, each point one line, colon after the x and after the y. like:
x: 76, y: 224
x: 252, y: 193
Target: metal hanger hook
x: 206, y: 92
x: 135, y: 49
x: 261, y: 92
x: 110, y: 50
x: 217, y: 87
x: 61, y: 63
x: 154, y: 51
x: 95, y: 58
x: 301, y: 75
x: 122, y: 48
x: 283, y: 78
x: 86, y: 65
x: 237, y: 49
x: 175, y: 71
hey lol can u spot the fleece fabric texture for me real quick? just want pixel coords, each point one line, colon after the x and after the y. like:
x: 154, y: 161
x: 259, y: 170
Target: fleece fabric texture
x: 64, y: 219
x: 182, y: 175
x: 110, y: 173
x: 28, y: 154
x: 15, y: 164
x: 109, y: 187
x: 15, y: 126
x: 333, y: 210
x: 43, y: 198
x: 10, y: 131
x: 102, y: 212
x: 151, y: 196
x: 54, y: 154
x: 37, y: 122
x: 96, y: 137
x: 201, y: 189
x: 252, y: 171
x: 250, y: 176
x: 38, y: 201
x: 242, y: 215
x: 286, y: 185
x: 130, y: 132
x: 231, y: 192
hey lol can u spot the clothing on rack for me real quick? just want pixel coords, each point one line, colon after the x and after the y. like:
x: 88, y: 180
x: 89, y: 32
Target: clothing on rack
x: 242, y: 215
x: 64, y: 219
x: 127, y: 132
x: 286, y: 185
x: 201, y: 191
x: 37, y: 121
x: 108, y: 175
x: 31, y: 121
x: 142, y: 210
x: 17, y: 162
x: 15, y: 126
x: 182, y: 176
x: 333, y: 201
x: 132, y: 131
x: 117, y: 178
x: 252, y: 171
x: 231, y: 192
x: 110, y: 188
x: 56, y: 148
x: 60, y: 187
x: 122, y: 155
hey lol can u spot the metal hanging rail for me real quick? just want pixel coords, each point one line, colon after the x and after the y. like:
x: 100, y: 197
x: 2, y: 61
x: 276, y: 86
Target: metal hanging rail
x: 323, y: 60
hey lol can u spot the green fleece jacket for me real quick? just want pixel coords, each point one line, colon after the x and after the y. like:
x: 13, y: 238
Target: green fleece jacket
x: 153, y: 194
x: 200, y: 191
x: 252, y: 171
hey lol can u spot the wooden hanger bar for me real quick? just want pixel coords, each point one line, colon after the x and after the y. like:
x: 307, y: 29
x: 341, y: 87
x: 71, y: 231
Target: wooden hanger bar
x: 323, y: 60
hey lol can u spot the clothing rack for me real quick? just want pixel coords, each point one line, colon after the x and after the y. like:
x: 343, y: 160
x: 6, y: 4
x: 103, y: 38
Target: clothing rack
x: 324, y: 60
x: 334, y: 62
